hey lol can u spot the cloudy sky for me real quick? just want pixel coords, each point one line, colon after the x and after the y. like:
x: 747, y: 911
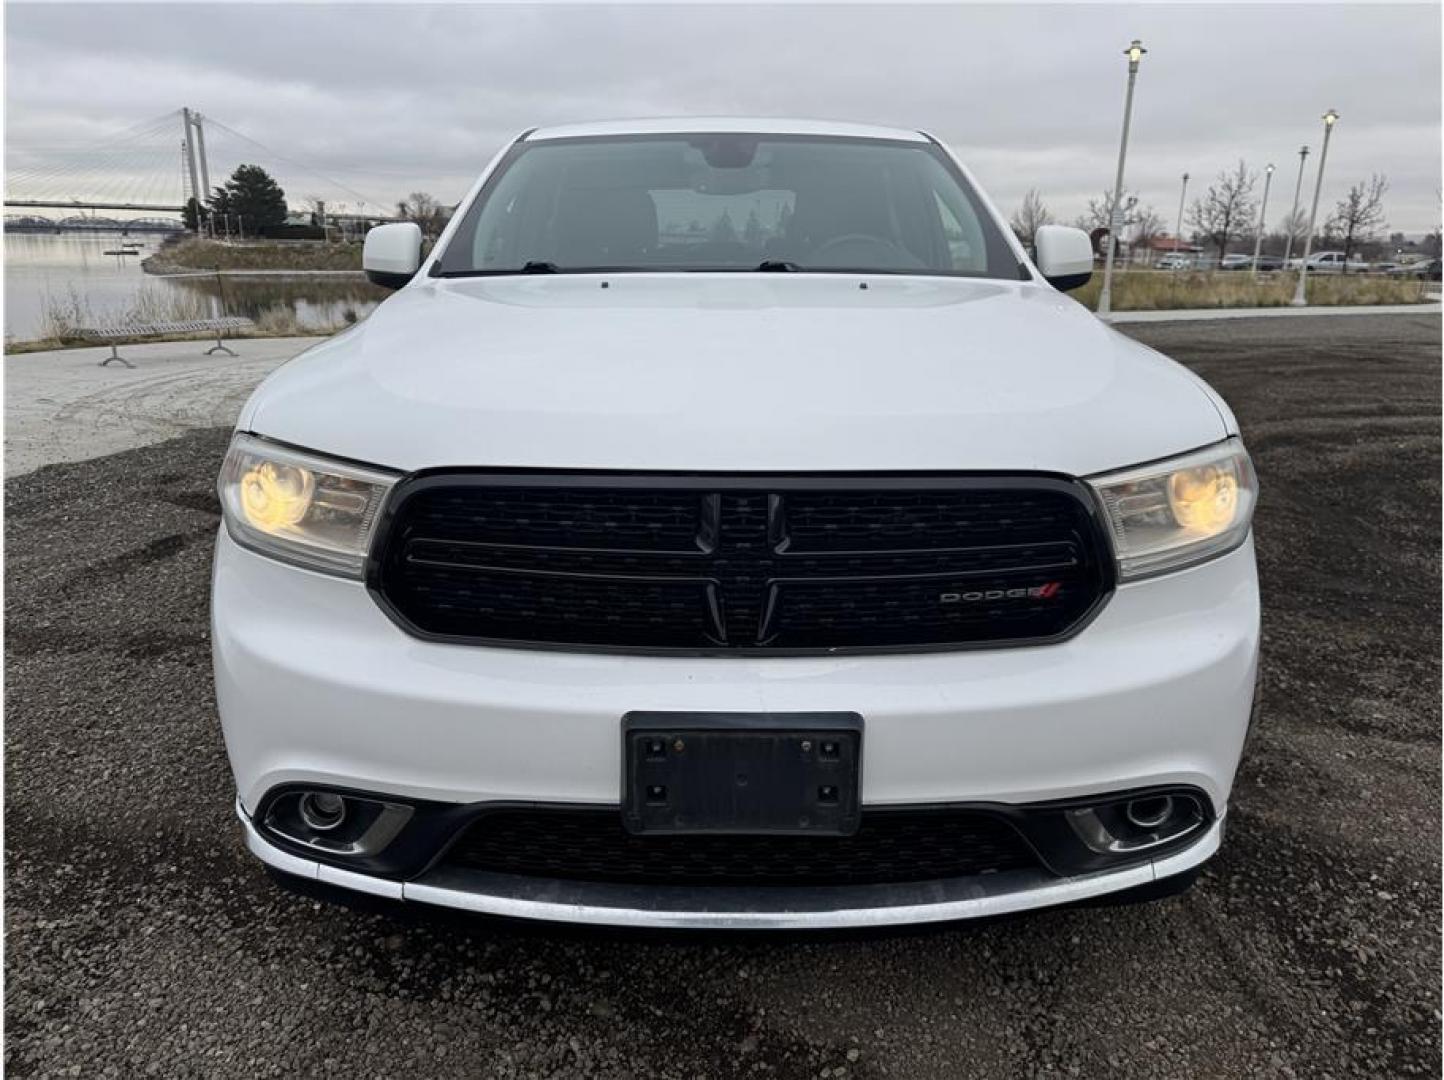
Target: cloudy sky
x: 385, y: 99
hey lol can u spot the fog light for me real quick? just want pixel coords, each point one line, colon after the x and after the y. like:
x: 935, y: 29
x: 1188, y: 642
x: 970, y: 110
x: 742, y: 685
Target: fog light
x: 322, y: 810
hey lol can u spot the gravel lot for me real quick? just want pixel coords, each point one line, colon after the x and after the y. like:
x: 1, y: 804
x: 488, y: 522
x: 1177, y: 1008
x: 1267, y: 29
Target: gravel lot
x: 143, y: 940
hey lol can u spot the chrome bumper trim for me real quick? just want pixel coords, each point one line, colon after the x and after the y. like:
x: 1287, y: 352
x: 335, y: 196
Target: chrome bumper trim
x: 731, y: 908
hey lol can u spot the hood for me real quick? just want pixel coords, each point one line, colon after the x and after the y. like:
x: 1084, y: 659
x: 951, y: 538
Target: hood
x: 718, y: 372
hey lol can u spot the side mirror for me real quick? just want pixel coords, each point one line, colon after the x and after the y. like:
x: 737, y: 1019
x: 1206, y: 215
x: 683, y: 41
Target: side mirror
x: 1065, y: 256
x: 392, y: 254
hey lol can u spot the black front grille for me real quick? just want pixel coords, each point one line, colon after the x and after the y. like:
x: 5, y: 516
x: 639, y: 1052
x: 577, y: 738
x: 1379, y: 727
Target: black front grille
x: 891, y: 846
x: 740, y: 563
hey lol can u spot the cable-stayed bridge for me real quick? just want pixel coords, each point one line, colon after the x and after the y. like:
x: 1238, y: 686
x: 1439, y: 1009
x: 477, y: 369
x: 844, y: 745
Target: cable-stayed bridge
x: 153, y: 168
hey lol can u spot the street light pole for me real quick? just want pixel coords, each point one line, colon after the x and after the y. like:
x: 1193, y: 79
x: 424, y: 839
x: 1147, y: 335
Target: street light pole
x: 1178, y: 229
x: 1263, y: 212
x: 1134, y: 52
x: 1330, y: 119
x: 1294, y: 213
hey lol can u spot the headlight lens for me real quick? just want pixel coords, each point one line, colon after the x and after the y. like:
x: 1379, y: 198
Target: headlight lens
x: 1181, y: 511
x: 299, y: 507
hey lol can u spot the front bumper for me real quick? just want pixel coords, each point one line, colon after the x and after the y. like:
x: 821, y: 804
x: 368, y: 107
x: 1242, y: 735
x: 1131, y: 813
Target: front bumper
x: 740, y: 908
x: 316, y: 685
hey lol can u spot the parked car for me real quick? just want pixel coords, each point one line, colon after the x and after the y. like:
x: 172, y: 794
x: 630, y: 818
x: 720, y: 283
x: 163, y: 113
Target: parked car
x: 697, y: 538
x: 1175, y: 260
x: 1326, y: 262
x: 1235, y: 262
x: 1423, y: 270
x: 1270, y: 262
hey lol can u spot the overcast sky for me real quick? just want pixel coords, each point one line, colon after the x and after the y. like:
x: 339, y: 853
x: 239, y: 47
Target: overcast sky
x: 390, y: 99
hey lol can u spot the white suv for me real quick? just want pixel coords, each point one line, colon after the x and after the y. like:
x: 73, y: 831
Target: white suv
x: 729, y: 525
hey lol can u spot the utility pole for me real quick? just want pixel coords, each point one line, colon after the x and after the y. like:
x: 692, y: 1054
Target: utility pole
x: 1263, y: 211
x: 1134, y: 52
x: 1330, y: 119
x: 205, y: 171
x: 191, y: 164
x: 1178, y: 230
x: 1294, y: 213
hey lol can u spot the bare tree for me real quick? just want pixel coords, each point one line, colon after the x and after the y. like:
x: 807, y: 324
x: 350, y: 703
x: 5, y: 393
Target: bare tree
x: 1359, y: 215
x: 1432, y: 240
x: 1100, y: 212
x: 1296, y: 226
x: 1148, y: 223
x: 425, y: 210
x: 1032, y: 215
x: 1226, y: 210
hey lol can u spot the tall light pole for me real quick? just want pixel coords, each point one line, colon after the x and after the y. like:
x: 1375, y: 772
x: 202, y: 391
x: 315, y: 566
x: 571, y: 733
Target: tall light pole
x: 1263, y: 217
x: 1178, y: 229
x: 1330, y: 119
x: 1134, y: 52
x: 1294, y: 213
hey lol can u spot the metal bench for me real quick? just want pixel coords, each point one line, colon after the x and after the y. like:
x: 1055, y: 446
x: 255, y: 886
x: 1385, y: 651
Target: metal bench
x: 117, y: 333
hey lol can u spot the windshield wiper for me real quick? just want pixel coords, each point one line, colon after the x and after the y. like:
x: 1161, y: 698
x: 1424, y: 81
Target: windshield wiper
x: 777, y: 266
x: 540, y: 266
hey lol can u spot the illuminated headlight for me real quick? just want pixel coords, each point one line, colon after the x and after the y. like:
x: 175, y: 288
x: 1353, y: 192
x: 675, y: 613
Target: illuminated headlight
x: 1178, y: 512
x: 299, y: 507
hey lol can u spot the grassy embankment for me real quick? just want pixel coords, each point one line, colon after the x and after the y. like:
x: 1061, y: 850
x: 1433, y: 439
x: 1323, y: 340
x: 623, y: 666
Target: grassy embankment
x: 63, y: 315
x: 299, y: 256
x: 1154, y: 290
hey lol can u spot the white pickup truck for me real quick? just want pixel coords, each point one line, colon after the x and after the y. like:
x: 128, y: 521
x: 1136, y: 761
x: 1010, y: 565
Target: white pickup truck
x: 1327, y: 262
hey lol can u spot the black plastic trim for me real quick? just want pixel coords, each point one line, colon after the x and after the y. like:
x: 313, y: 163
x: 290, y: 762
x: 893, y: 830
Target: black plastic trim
x: 1069, y: 282
x: 435, y: 827
x: 427, y: 479
x: 388, y: 280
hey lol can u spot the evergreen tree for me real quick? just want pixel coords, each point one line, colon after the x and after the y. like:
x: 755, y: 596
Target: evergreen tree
x: 256, y: 200
x: 191, y: 215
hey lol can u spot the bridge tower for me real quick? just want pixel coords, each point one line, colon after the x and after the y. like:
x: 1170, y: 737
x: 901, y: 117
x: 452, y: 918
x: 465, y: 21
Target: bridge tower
x: 190, y: 145
x: 201, y: 153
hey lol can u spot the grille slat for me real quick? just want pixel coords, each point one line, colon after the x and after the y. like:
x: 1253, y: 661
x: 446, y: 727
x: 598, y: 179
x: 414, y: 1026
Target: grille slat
x: 890, y: 846
x: 781, y: 564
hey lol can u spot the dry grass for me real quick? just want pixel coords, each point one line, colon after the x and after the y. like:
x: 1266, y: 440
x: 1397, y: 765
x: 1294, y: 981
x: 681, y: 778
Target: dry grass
x: 1156, y: 290
x: 298, y: 255
x: 16, y: 348
x: 64, y: 315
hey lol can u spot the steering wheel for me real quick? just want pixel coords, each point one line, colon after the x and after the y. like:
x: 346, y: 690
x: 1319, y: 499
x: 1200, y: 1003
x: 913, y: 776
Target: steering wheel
x: 867, y: 239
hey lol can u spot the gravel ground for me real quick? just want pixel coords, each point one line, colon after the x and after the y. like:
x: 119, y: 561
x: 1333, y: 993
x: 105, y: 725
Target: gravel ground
x: 143, y: 940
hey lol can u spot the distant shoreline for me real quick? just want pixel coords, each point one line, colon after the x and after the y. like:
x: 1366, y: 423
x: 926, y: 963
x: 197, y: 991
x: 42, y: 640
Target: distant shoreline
x: 195, y: 256
x: 188, y: 273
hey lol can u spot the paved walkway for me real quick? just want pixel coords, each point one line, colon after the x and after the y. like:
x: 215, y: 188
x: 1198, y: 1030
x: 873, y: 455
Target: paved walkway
x: 1199, y: 314
x: 61, y: 406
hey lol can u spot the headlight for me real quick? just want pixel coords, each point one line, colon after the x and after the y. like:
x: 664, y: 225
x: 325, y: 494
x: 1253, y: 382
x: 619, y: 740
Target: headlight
x: 1178, y: 512
x: 301, y: 508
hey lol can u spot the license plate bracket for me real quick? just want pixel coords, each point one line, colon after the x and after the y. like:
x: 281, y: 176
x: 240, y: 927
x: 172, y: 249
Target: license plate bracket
x: 767, y: 773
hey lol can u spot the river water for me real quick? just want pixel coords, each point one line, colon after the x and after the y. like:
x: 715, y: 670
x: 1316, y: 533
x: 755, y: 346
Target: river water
x: 70, y: 273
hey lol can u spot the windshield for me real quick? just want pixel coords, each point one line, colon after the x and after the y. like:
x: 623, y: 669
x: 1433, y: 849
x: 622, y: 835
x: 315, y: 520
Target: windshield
x: 727, y: 202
